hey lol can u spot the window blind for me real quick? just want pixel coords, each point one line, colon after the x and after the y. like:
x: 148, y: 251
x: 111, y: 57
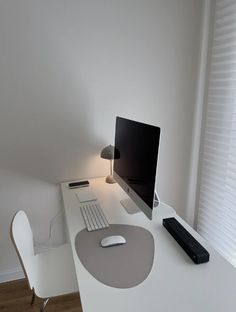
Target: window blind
x: 217, y: 193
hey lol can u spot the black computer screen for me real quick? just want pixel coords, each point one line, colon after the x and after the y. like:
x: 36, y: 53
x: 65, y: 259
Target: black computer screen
x: 136, y: 153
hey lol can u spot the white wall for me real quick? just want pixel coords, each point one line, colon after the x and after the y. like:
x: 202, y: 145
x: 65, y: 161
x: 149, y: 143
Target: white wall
x: 67, y: 68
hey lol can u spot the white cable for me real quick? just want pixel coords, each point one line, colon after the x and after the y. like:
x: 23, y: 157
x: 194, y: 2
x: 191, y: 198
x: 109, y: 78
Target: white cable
x: 45, y: 242
x: 156, y: 200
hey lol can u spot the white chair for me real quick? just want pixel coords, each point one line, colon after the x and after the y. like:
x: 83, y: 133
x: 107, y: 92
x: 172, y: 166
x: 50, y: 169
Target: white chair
x: 49, y: 274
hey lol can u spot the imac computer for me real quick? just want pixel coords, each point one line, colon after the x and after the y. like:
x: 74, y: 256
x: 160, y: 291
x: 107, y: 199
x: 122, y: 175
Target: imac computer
x: 135, y: 163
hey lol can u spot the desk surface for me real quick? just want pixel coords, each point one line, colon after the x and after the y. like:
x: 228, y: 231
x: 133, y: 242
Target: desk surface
x: 175, y: 282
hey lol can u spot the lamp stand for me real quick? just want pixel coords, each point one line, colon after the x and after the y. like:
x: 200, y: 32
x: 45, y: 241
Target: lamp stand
x: 109, y: 178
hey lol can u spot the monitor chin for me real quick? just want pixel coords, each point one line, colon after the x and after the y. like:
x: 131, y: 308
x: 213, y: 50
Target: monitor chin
x: 133, y: 203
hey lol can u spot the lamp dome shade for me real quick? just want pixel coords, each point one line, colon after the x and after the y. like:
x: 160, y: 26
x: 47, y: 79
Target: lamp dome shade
x: 108, y: 152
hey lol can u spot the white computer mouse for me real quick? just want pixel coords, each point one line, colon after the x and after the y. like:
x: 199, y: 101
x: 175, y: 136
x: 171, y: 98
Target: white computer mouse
x: 113, y: 241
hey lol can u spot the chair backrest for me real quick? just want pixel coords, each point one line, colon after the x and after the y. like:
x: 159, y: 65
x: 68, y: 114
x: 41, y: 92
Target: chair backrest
x: 22, y: 237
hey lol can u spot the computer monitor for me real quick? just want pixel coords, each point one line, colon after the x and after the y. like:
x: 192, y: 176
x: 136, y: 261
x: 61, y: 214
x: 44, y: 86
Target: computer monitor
x: 135, y: 163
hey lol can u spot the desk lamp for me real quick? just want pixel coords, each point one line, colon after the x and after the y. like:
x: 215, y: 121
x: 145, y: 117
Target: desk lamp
x: 108, y: 153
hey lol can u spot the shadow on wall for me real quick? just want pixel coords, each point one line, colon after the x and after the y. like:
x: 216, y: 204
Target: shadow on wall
x: 47, y: 137
x: 46, y: 115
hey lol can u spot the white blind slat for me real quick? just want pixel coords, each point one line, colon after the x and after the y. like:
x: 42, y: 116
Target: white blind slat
x: 217, y: 192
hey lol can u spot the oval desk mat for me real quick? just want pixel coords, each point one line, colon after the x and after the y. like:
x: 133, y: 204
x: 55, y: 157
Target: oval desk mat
x: 120, y: 266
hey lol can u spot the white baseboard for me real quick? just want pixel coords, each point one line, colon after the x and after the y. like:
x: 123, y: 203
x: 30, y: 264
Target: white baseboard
x: 11, y: 275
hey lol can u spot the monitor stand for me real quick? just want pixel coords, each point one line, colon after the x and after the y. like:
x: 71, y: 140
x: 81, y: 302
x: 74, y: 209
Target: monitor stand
x: 132, y: 208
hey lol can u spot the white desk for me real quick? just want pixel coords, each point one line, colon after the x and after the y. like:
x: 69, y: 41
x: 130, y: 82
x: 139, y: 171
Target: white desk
x: 175, y: 282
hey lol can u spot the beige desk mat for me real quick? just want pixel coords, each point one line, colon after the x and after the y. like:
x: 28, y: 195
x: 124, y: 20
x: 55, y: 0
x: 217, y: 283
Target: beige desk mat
x: 120, y: 266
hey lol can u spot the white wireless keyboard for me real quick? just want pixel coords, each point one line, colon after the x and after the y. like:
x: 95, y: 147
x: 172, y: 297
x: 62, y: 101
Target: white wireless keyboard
x: 93, y: 215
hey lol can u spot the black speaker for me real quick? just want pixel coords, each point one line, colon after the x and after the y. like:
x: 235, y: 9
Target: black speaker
x: 190, y: 245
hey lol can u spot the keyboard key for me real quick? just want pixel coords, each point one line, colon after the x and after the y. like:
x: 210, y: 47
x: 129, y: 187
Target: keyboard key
x: 93, y: 216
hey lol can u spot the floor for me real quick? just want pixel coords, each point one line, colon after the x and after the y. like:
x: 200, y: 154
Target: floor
x: 16, y: 297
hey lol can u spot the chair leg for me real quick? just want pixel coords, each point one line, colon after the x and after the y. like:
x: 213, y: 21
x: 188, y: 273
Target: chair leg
x: 44, y: 305
x: 33, y: 297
